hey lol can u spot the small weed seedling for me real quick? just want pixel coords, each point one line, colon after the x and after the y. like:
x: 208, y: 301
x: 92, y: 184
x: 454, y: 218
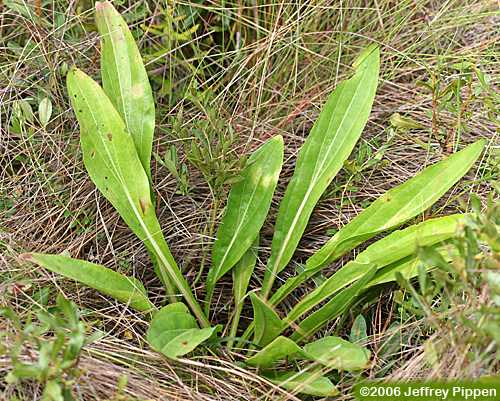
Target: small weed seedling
x: 117, y: 122
x: 56, y: 338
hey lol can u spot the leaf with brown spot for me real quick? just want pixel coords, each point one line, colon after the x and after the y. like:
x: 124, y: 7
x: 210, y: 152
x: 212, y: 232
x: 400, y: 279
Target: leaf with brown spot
x: 117, y: 172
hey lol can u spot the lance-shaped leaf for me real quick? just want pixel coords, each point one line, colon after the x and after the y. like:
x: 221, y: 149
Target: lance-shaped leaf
x: 125, y: 289
x: 246, y: 211
x: 125, y: 80
x: 113, y: 165
x: 328, y: 145
x: 399, y: 204
x: 310, y: 383
x: 242, y: 273
x: 392, y: 209
x: 279, y: 349
x: 333, y: 308
x: 408, y: 267
x: 268, y: 324
x: 394, y: 247
x: 336, y: 353
x: 173, y: 331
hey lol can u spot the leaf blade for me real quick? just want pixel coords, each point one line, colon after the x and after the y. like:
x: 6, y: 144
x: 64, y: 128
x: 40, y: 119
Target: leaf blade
x: 330, y: 142
x: 400, y: 204
x: 337, y: 353
x: 310, y: 383
x: 394, y: 247
x: 113, y: 165
x: 248, y: 203
x: 281, y: 347
x: 173, y: 331
x: 438, y: 178
x: 125, y: 79
x: 268, y: 324
x: 125, y: 289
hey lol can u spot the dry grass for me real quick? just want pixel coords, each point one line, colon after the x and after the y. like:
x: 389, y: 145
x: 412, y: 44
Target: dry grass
x: 290, y: 57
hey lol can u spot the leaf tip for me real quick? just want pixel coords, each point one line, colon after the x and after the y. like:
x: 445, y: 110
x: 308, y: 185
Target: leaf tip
x: 26, y: 257
x: 101, y: 5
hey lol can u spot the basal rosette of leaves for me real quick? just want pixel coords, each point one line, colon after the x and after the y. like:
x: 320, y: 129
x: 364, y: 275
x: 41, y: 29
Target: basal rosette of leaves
x: 116, y: 132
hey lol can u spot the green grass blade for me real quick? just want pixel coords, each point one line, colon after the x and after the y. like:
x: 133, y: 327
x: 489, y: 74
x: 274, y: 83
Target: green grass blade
x: 388, y: 250
x: 125, y: 289
x: 242, y: 274
x: 399, y: 204
x: 111, y: 160
x: 390, y: 210
x: 246, y: 211
x: 268, y: 324
x: 328, y: 145
x: 280, y: 348
x: 125, y: 80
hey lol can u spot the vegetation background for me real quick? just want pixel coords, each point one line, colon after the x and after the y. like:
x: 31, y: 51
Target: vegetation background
x: 226, y: 76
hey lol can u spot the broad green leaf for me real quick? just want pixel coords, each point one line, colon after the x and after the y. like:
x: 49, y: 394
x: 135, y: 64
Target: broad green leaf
x: 45, y: 111
x: 279, y: 349
x: 396, y: 246
x: 398, y: 205
x: 173, y: 331
x: 125, y: 289
x: 336, y: 353
x: 125, y: 80
x: 392, y: 209
x: 332, y: 309
x: 242, y: 274
x: 310, y: 383
x: 328, y: 145
x: 246, y: 211
x: 268, y: 325
x: 111, y: 160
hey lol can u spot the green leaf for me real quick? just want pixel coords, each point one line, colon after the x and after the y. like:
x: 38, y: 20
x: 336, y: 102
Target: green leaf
x: 310, y: 383
x: 111, y: 160
x: 52, y: 391
x: 328, y: 145
x: 398, y: 204
x: 394, y: 247
x: 125, y: 80
x: 122, y: 288
x: 174, y: 332
x: 45, y: 111
x: 242, y: 274
x: 358, y: 330
x: 332, y: 309
x: 247, y: 207
x: 268, y: 325
x: 280, y: 348
x: 410, y: 267
x: 336, y: 353
x: 392, y: 209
